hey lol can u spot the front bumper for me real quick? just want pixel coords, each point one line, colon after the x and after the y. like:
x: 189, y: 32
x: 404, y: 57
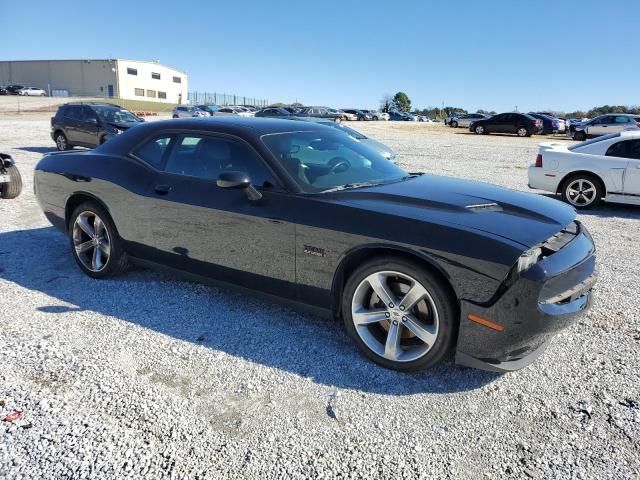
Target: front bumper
x: 531, y: 310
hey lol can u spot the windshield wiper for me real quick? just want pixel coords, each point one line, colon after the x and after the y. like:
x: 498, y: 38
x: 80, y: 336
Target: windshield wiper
x: 350, y: 186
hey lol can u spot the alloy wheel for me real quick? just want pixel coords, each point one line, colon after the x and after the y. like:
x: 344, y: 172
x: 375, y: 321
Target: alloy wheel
x: 581, y: 192
x: 395, y: 316
x: 61, y: 142
x: 522, y: 132
x: 91, y: 241
x: 479, y: 129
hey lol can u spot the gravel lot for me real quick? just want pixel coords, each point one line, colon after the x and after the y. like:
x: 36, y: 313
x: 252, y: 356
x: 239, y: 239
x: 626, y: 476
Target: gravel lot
x: 147, y: 376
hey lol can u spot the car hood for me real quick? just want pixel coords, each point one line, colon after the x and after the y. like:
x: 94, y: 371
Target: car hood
x: 525, y: 218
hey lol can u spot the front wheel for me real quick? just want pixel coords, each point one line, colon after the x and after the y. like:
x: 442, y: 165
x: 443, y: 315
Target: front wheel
x: 579, y: 136
x: 454, y: 124
x: 400, y: 316
x: 95, y: 244
x: 13, y: 187
x: 480, y: 130
x: 582, y: 191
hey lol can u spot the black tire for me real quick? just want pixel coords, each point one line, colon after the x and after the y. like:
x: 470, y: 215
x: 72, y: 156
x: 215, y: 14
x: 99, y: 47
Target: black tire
x: 454, y: 124
x: 175, y: 116
x: 523, y: 132
x: 62, y: 143
x: 13, y: 188
x: 443, y: 299
x: 589, y: 181
x: 579, y: 136
x: 118, y: 261
x: 376, y: 118
x: 480, y: 130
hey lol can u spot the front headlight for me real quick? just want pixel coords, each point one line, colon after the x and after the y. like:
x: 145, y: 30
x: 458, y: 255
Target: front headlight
x: 528, y: 259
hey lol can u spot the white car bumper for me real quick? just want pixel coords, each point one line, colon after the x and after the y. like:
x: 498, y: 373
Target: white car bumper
x: 542, y: 179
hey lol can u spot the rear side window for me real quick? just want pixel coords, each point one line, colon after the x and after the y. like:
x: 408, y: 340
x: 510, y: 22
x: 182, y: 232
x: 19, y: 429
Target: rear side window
x: 622, y: 120
x: 625, y: 149
x: 73, y: 112
x: 152, y: 151
x: 617, y: 150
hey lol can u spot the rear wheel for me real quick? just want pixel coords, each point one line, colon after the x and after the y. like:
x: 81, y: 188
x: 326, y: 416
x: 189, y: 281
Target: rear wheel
x: 61, y: 142
x: 95, y: 244
x: 175, y: 116
x: 523, y: 132
x: 582, y: 191
x: 480, y: 130
x: 13, y: 187
x: 400, y: 316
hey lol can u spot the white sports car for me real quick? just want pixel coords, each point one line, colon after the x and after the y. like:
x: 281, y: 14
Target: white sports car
x: 605, y: 168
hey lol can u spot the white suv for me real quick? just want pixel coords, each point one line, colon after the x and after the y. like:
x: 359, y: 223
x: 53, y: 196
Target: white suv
x: 605, y: 124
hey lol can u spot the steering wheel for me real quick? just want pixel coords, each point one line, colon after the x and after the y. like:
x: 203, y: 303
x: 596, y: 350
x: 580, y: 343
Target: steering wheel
x: 337, y: 162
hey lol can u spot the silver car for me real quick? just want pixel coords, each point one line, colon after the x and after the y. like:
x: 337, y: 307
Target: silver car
x: 188, y: 111
x: 465, y: 120
x: 381, y: 148
x: 605, y: 124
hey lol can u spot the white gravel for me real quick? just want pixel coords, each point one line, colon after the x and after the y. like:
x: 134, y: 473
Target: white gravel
x: 147, y: 376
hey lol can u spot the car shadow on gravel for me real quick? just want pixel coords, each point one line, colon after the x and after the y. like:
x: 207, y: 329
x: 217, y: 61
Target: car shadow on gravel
x: 236, y: 324
x: 38, y: 149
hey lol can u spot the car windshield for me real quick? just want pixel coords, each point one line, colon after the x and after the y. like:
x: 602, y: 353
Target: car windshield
x: 117, y: 115
x: 594, y: 140
x: 343, y: 128
x: 323, y: 160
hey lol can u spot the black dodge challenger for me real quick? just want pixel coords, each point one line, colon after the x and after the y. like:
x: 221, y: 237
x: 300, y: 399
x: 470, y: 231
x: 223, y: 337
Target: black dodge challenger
x: 415, y: 265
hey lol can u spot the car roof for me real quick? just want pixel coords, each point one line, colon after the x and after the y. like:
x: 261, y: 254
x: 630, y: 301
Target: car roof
x: 251, y: 125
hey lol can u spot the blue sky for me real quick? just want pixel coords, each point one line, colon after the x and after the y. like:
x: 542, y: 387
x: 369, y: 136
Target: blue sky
x: 492, y: 55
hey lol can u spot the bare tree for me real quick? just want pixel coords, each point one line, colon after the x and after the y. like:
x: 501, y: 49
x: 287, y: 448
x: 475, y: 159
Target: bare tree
x: 386, y: 103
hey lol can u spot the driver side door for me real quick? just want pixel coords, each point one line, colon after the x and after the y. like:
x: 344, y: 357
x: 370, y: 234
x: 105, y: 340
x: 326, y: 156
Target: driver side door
x: 219, y: 233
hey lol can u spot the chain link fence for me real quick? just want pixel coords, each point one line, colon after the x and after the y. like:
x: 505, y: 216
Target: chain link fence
x: 214, y: 98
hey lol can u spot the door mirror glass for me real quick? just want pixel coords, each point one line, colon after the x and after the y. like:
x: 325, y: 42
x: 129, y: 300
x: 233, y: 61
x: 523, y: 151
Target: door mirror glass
x: 236, y: 180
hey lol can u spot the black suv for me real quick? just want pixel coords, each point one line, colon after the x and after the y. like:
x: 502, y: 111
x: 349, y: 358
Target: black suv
x: 518, y: 123
x: 89, y: 124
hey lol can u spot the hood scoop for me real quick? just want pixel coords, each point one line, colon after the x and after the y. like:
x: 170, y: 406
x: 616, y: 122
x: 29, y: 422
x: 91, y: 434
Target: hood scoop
x: 484, y: 207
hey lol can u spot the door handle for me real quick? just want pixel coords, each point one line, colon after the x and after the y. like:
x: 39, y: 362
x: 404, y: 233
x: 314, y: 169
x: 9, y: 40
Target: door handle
x: 162, y: 189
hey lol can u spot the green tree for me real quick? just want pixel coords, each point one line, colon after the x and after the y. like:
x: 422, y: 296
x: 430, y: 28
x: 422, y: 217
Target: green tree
x: 401, y: 102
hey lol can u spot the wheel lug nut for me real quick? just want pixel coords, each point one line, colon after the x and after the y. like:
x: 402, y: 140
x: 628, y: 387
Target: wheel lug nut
x: 391, y: 305
x: 387, y: 314
x: 401, y: 307
x: 404, y: 319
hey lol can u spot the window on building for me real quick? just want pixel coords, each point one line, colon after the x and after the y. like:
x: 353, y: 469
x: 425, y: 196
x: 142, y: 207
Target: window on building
x: 132, y: 71
x: 139, y: 92
x: 177, y: 80
x: 162, y: 95
x: 151, y: 93
x: 155, y: 76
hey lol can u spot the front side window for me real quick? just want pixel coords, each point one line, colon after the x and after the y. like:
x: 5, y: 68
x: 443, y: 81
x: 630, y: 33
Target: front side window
x: 116, y: 115
x: 132, y: 71
x: 152, y: 151
x: 206, y: 157
x: 324, y: 160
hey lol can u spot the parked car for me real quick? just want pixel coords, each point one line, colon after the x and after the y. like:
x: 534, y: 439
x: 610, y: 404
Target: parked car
x: 89, y: 124
x: 359, y: 114
x: 3, y: 91
x: 550, y: 125
x: 32, y: 92
x: 243, y: 111
x: 518, y: 123
x: 234, y: 111
x: 14, y: 89
x: 465, y: 119
x: 188, y: 111
x: 604, y: 124
x: 398, y: 117
x: 605, y: 168
x: 320, y: 112
x: 381, y: 148
x: 273, y: 112
x: 10, y: 179
x: 432, y: 264
x: 209, y: 108
x: 376, y: 115
x: 292, y: 110
x: 562, y: 123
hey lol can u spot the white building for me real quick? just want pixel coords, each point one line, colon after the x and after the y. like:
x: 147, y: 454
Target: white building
x: 116, y: 78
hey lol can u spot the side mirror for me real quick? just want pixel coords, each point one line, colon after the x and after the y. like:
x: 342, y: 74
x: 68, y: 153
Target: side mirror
x: 238, y: 181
